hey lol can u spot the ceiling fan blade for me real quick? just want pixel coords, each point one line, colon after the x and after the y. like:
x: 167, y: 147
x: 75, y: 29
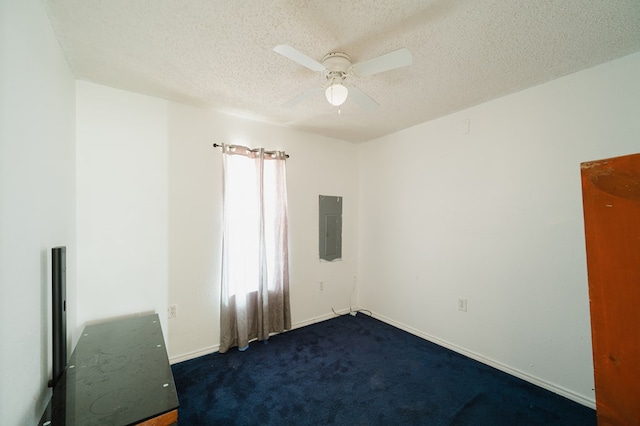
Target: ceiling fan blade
x: 299, y: 57
x: 390, y: 61
x: 364, y: 101
x: 302, y: 97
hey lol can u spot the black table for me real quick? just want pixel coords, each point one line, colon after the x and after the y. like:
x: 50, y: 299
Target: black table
x: 118, y: 374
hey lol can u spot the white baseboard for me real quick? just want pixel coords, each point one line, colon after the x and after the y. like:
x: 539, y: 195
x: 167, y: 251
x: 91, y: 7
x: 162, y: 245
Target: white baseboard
x: 194, y: 354
x: 215, y: 348
x: 580, y: 399
x: 321, y: 318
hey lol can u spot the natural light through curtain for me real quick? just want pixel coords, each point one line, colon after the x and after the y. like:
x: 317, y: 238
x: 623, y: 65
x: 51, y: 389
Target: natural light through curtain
x: 255, y: 275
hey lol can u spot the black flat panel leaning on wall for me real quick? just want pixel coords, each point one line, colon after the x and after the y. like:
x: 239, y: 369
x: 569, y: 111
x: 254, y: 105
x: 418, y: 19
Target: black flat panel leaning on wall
x: 59, y: 310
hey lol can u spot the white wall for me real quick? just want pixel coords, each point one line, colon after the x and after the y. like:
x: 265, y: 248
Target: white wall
x: 317, y: 165
x: 122, y: 209
x: 149, y: 213
x: 495, y: 216
x: 37, y: 202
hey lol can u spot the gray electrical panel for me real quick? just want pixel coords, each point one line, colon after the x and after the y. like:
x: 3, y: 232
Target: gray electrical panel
x: 330, y: 226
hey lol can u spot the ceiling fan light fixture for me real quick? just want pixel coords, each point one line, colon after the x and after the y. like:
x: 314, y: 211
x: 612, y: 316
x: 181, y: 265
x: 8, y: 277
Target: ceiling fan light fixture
x: 336, y: 94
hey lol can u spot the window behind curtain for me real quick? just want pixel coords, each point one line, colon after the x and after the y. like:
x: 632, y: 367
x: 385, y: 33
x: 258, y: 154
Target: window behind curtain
x: 255, y: 276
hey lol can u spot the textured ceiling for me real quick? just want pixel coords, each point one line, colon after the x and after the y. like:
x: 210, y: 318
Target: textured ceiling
x: 219, y: 54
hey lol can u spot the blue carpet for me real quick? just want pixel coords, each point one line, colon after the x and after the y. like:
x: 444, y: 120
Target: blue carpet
x: 360, y: 371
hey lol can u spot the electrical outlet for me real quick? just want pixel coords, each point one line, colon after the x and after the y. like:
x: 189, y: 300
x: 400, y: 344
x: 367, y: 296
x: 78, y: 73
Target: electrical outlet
x: 321, y: 285
x: 462, y: 305
x: 172, y: 311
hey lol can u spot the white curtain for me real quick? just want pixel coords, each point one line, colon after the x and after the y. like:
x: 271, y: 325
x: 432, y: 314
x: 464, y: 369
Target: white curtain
x: 255, y: 261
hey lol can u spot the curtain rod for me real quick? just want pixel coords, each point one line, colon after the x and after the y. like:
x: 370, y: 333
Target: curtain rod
x: 215, y: 145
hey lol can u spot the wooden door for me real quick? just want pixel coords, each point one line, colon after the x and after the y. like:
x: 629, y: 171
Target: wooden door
x: 611, y: 201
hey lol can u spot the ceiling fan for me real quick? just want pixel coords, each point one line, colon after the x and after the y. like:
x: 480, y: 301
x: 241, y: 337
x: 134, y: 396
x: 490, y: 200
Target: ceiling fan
x: 336, y: 67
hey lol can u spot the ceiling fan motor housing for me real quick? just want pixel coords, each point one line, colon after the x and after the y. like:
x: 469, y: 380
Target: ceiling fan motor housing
x: 337, y: 65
